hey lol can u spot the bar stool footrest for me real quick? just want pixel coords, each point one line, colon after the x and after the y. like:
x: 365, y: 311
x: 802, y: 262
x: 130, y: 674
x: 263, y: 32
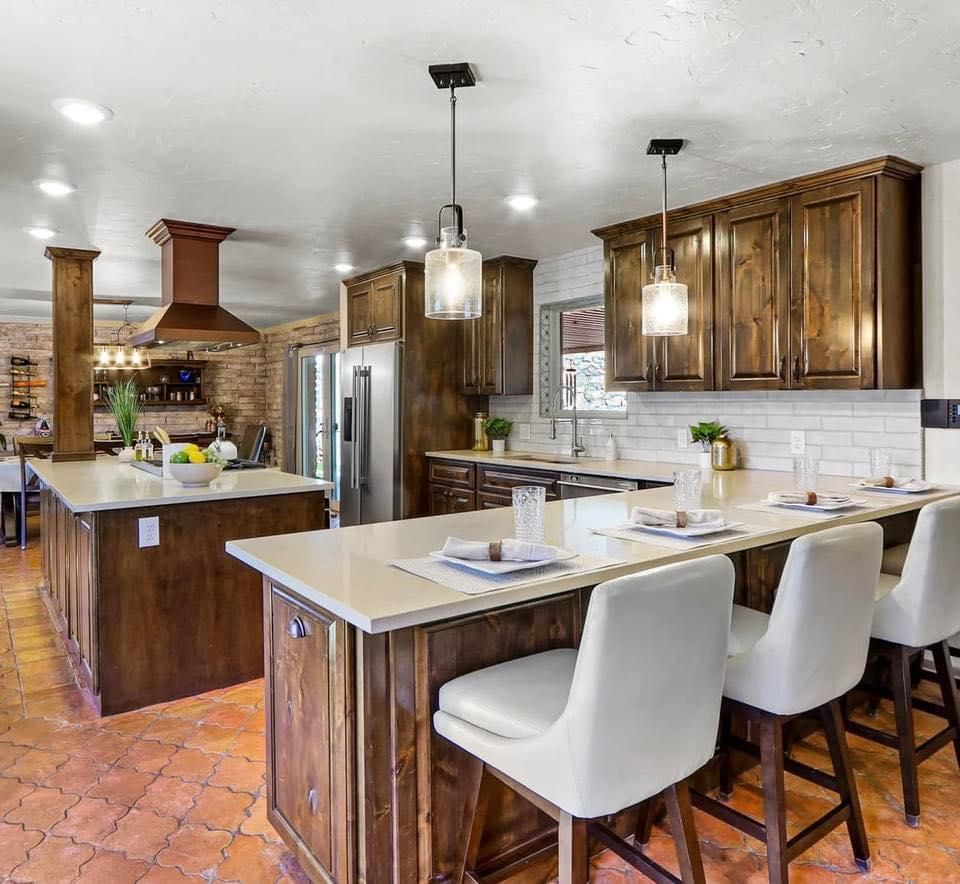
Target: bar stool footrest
x: 633, y: 855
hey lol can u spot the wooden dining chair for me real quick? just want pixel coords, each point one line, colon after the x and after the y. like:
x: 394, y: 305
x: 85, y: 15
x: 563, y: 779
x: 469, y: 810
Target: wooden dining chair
x: 28, y: 499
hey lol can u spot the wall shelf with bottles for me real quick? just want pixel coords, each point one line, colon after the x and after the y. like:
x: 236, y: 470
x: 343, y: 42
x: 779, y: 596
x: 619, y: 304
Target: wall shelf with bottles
x: 170, y: 383
x: 24, y: 380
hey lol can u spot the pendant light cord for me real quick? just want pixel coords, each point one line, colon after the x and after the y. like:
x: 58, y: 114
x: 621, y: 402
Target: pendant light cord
x: 453, y: 144
x: 664, y: 243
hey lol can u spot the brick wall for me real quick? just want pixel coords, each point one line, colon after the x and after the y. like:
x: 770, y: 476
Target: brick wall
x: 840, y: 426
x: 248, y: 381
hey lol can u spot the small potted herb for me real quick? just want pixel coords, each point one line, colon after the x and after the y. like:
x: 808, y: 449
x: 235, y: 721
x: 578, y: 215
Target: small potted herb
x: 124, y: 403
x: 498, y: 429
x: 706, y: 433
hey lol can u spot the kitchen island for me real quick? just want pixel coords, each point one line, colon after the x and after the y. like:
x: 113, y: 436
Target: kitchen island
x: 359, y: 786
x: 150, y: 605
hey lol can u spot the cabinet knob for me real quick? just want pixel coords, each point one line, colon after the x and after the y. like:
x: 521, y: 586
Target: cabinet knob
x: 296, y: 628
x: 796, y: 368
x: 313, y: 801
x: 783, y: 368
x: 656, y: 374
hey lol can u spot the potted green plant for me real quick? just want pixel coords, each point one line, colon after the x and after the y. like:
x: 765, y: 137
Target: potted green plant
x: 124, y: 403
x: 706, y: 433
x: 498, y: 429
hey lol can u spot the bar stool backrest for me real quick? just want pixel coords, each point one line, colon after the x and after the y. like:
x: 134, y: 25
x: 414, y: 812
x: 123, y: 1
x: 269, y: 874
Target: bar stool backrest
x: 928, y: 595
x: 815, y: 647
x: 644, y: 702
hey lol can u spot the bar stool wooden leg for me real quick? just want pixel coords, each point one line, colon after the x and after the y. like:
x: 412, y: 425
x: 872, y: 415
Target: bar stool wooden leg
x: 948, y: 690
x: 685, y: 838
x: 726, y: 762
x: 903, y: 705
x: 774, y: 798
x: 476, y: 816
x: 574, y: 857
x: 846, y: 784
x: 645, y: 821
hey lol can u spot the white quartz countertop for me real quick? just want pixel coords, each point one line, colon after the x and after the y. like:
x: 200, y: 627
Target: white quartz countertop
x: 346, y: 570
x: 649, y: 471
x: 107, y: 484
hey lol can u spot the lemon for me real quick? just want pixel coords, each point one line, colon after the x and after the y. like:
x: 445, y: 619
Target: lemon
x: 196, y: 457
x: 191, y: 446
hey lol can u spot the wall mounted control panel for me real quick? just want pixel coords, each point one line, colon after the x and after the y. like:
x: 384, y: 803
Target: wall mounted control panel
x: 942, y: 414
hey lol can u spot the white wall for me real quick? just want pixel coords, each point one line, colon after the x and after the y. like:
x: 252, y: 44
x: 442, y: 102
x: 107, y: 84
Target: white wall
x: 941, y: 309
x: 840, y: 427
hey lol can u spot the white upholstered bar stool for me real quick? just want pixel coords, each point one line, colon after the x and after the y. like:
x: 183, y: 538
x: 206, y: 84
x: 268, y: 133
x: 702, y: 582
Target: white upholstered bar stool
x: 590, y: 732
x: 919, y: 610
x: 808, y: 652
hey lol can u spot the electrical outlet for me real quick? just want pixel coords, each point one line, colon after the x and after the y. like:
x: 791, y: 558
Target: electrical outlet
x: 683, y: 438
x: 524, y: 432
x: 149, y: 530
x: 798, y: 442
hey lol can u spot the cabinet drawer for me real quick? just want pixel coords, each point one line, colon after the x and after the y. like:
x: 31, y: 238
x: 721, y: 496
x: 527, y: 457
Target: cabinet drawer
x: 497, y: 480
x: 445, y: 500
x: 453, y: 473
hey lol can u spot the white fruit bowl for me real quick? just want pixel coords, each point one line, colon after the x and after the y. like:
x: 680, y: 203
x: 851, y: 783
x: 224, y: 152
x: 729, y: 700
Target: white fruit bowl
x: 194, y: 475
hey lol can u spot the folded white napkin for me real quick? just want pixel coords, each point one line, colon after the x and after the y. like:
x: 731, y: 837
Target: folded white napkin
x: 508, y: 550
x: 889, y: 482
x: 671, y: 519
x: 805, y: 497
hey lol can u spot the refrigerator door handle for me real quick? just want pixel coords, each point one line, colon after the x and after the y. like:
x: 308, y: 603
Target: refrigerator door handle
x: 355, y: 428
x: 363, y: 436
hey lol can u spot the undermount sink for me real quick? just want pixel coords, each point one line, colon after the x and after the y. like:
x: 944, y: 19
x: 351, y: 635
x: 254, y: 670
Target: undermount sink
x: 550, y: 458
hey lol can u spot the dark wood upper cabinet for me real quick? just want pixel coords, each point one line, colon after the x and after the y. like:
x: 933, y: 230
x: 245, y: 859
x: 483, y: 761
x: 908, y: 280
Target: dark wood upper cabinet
x: 498, y: 346
x: 832, y: 305
x: 753, y: 296
x: 374, y: 307
x: 811, y: 283
x: 630, y: 358
x: 685, y: 362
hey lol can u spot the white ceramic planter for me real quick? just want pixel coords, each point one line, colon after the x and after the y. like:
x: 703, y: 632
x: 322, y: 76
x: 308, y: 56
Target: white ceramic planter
x: 705, y: 460
x: 499, y: 445
x: 125, y: 455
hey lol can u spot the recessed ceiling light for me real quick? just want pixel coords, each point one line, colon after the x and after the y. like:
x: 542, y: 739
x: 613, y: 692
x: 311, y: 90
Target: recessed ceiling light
x: 86, y: 113
x: 41, y: 232
x: 343, y: 268
x: 414, y: 242
x: 53, y: 188
x: 521, y: 202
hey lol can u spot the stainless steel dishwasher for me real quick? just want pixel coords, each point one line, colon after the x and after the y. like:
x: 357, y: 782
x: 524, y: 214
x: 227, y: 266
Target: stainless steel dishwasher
x: 584, y: 485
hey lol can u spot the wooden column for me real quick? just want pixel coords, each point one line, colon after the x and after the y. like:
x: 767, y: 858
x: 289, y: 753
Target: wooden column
x: 72, y: 352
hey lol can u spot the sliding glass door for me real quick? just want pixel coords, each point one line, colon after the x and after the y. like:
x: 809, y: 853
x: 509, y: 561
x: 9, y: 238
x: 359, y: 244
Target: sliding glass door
x: 318, y: 420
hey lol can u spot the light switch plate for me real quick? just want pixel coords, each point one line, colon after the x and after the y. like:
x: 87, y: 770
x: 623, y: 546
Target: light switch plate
x: 798, y: 442
x: 683, y: 438
x: 149, y: 530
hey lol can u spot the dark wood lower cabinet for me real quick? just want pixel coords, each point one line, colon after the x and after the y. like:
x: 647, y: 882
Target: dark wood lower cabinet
x: 445, y: 500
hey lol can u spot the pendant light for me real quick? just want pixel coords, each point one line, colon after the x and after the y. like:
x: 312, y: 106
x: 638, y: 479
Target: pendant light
x: 118, y: 355
x: 453, y: 273
x: 664, y: 299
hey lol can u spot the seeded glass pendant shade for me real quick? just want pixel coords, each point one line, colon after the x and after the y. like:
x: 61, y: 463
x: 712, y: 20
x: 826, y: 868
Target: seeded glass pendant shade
x: 664, y: 300
x: 453, y: 274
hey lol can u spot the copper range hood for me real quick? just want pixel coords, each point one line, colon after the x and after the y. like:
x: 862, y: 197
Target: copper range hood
x: 191, y: 317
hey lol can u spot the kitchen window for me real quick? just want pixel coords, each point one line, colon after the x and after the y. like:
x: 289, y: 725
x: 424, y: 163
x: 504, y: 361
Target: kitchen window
x: 571, y: 345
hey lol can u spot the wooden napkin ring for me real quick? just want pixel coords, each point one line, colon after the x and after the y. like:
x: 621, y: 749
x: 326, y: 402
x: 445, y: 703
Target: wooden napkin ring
x: 681, y: 519
x: 496, y: 550
x: 887, y: 482
x: 811, y: 498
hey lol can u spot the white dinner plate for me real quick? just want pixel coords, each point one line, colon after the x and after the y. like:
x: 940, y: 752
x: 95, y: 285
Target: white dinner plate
x: 687, y: 533
x: 884, y: 490
x: 818, y: 507
x: 488, y: 567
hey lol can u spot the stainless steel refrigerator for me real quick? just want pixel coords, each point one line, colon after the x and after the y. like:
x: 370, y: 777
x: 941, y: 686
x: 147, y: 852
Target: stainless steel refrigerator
x: 371, y: 444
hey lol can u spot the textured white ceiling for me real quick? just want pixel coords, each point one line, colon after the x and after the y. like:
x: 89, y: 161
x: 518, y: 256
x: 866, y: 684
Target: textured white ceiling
x: 314, y: 129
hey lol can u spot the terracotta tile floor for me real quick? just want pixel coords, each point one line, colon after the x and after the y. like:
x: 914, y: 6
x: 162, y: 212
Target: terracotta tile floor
x: 176, y: 792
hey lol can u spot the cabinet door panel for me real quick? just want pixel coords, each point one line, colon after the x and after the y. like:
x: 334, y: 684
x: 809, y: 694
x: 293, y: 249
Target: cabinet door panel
x: 386, y: 298
x: 359, y: 312
x: 753, y: 245
x: 308, y: 794
x: 490, y: 333
x: 686, y: 361
x: 629, y: 355
x: 833, y: 311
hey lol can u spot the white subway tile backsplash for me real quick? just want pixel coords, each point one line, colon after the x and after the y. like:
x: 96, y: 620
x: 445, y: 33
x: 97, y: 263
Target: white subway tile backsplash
x: 840, y: 425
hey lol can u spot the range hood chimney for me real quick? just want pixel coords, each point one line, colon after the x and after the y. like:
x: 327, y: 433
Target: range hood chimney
x: 191, y: 317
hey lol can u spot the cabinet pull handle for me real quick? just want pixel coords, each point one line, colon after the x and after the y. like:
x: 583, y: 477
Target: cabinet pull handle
x: 651, y: 379
x: 782, y: 374
x: 796, y: 368
x: 313, y: 801
x: 296, y: 628
x: 656, y: 374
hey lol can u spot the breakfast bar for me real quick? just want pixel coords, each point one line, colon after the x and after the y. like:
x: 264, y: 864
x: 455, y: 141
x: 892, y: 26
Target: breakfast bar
x: 149, y: 604
x: 359, y: 785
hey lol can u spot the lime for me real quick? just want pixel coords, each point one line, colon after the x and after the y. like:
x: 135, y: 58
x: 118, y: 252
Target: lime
x: 180, y: 457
